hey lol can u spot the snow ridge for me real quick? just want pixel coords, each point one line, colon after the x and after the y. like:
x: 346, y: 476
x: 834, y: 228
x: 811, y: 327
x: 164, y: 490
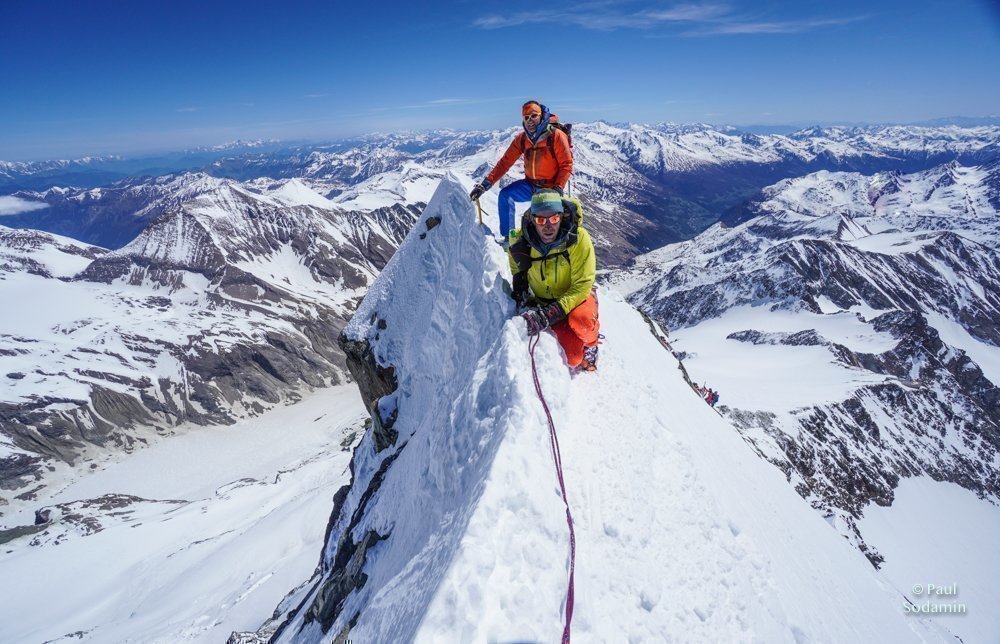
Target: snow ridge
x: 453, y: 529
x: 446, y: 331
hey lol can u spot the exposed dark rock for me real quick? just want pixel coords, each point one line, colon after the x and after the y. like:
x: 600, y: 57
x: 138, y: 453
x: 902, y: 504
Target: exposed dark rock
x: 345, y: 578
x: 19, y: 531
x: 246, y: 638
x: 18, y: 470
x: 846, y: 459
x: 807, y: 338
x: 345, y: 570
x: 373, y: 380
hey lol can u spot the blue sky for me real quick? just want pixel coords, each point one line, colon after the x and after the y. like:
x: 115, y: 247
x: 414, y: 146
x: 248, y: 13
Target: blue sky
x: 101, y: 77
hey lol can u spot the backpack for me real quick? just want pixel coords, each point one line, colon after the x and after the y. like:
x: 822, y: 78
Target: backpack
x: 567, y: 129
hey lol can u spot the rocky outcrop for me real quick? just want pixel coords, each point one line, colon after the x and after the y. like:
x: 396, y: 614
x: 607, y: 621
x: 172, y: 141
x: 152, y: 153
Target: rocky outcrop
x: 55, y: 524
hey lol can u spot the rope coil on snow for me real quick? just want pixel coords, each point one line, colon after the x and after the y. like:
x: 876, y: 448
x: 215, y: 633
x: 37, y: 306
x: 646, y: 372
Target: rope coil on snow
x: 557, y: 457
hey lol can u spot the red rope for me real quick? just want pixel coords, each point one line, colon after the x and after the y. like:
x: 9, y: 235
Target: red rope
x: 557, y: 457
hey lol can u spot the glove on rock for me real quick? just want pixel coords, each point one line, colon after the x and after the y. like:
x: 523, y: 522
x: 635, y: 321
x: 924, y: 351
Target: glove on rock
x: 480, y: 188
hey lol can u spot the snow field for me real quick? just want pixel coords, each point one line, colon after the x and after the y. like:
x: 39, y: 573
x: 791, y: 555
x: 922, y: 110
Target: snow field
x: 935, y: 534
x: 256, y: 497
x: 777, y: 378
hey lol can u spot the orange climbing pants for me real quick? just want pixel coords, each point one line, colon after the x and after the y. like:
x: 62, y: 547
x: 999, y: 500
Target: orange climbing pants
x: 580, y: 329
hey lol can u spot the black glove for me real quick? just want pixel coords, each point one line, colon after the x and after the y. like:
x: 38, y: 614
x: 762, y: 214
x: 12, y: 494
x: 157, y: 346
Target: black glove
x: 520, y: 291
x: 553, y: 313
x: 541, y: 317
x: 480, y: 188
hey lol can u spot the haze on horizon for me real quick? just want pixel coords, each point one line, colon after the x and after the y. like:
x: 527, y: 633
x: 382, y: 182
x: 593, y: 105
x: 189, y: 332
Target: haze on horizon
x: 106, y: 78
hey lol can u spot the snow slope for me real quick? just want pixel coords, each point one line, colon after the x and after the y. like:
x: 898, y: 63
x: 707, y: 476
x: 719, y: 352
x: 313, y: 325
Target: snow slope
x: 454, y: 531
x: 935, y: 535
x: 185, y: 541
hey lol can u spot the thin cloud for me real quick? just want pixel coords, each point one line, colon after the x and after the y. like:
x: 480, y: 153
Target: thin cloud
x: 701, y: 19
x: 597, y: 17
x: 187, y: 109
x: 315, y: 95
x: 784, y: 27
x: 16, y: 206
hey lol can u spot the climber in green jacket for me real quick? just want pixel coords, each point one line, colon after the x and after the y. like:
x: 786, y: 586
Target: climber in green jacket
x: 554, y: 267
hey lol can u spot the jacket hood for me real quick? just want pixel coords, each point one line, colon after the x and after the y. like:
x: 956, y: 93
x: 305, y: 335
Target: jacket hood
x: 543, y: 126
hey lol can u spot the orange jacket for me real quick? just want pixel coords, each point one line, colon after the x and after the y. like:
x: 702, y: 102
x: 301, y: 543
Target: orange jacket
x: 546, y: 163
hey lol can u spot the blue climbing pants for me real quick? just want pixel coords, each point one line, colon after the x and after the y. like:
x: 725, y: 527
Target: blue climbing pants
x: 519, y: 191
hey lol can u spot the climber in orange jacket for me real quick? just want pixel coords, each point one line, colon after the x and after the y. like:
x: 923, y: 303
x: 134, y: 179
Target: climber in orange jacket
x: 548, y: 162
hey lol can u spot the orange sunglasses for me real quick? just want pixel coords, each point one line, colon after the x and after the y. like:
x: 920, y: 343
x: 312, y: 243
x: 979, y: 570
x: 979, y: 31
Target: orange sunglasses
x: 555, y: 218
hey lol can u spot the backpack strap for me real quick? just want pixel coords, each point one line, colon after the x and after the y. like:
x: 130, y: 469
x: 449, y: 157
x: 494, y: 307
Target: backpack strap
x: 520, y: 252
x: 573, y: 207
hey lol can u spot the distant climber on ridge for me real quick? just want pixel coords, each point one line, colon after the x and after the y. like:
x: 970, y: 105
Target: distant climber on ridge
x: 548, y: 163
x: 554, y: 266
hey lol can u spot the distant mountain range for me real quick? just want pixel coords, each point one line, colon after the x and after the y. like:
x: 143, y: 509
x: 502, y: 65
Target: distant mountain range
x: 94, y: 171
x: 646, y: 185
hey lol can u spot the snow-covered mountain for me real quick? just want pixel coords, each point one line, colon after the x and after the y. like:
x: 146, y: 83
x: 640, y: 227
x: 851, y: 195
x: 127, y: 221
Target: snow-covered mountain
x: 650, y: 184
x: 95, y: 171
x: 849, y: 320
x: 186, y: 540
x: 851, y: 329
x: 222, y: 307
x: 114, y: 215
x: 454, y: 527
x: 646, y: 185
x: 12, y: 171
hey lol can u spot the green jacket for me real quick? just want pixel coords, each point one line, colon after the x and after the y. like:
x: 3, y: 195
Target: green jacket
x: 565, y: 273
